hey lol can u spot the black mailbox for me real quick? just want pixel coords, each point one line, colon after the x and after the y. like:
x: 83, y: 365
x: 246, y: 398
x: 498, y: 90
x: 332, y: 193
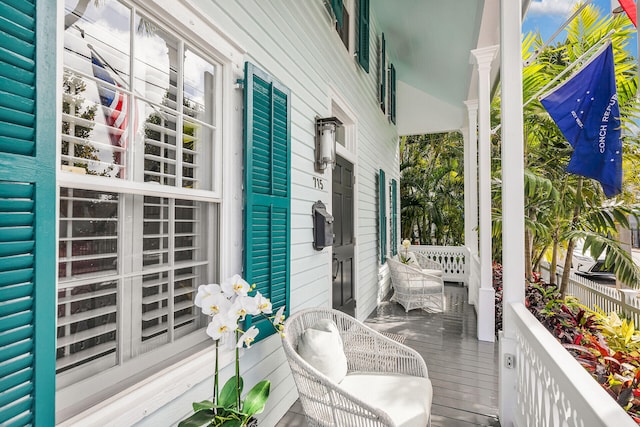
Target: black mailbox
x: 322, y: 226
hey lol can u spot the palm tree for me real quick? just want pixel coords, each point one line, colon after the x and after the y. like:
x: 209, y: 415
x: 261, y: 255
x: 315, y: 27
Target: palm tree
x: 561, y: 208
x: 432, y: 188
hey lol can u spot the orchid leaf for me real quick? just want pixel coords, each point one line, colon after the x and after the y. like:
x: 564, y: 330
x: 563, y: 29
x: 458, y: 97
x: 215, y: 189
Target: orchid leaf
x: 199, y: 419
x: 228, y: 393
x: 256, y: 399
x: 205, y: 404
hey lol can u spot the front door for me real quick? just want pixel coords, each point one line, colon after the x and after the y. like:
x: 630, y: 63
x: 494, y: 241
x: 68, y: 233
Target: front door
x: 343, y: 247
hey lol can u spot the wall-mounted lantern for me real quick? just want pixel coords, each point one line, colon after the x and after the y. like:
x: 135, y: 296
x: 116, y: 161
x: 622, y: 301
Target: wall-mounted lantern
x: 326, y: 142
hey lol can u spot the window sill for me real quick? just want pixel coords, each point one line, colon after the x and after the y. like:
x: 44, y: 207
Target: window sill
x: 141, y: 400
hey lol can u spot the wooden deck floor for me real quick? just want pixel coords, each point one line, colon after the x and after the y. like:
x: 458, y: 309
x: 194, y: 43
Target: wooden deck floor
x: 464, y: 371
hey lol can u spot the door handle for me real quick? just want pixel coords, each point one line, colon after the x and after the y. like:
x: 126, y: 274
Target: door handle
x: 335, y: 267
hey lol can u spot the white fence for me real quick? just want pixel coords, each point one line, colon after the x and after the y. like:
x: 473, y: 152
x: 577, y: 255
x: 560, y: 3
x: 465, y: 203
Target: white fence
x: 553, y: 389
x: 455, y: 260
x: 608, y: 298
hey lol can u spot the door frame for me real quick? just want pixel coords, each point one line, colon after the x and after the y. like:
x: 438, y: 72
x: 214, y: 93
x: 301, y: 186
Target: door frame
x: 339, y: 108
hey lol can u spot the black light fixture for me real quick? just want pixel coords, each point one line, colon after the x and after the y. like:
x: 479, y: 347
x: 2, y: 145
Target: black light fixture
x: 326, y: 142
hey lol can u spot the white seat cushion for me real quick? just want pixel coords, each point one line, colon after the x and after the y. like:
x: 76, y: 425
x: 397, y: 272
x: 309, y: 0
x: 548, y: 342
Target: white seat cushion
x: 321, y: 346
x: 433, y: 272
x: 406, y: 399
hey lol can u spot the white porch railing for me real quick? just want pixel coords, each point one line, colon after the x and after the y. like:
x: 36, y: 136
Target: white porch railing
x: 606, y: 297
x: 553, y: 389
x: 455, y: 260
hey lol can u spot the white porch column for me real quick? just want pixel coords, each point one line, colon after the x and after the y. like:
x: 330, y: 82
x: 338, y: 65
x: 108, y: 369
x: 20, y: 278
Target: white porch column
x: 512, y: 195
x: 486, y: 298
x: 471, y: 178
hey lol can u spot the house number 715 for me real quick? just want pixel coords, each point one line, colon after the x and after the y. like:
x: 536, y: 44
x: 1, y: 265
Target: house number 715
x: 318, y: 183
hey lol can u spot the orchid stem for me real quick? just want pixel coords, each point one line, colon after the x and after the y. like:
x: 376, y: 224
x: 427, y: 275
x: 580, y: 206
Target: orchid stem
x: 215, y: 379
x: 238, y: 375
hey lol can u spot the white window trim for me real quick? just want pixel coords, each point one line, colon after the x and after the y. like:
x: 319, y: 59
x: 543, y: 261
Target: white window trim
x: 133, y: 404
x: 140, y: 400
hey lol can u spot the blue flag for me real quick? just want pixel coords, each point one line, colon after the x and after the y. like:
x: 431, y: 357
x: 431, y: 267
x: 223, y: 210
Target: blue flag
x: 585, y: 108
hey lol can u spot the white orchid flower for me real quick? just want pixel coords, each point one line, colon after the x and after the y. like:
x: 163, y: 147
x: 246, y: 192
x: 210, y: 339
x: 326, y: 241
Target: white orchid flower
x: 248, y: 337
x: 264, y: 305
x: 221, y: 325
x: 244, y: 305
x: 279, y: 317
x: 214, y: 304
x: 235, y: 285
x: 205, y: 290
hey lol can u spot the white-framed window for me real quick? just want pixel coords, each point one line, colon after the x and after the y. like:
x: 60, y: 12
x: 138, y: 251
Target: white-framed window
x: 342, y: 14
x: 139, y: 197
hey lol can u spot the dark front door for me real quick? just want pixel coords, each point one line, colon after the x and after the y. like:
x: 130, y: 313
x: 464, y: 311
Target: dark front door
x: 343, y: 296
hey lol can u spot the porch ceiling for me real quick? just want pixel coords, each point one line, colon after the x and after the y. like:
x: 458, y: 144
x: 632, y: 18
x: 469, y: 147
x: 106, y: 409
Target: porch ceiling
x: 429, y: 42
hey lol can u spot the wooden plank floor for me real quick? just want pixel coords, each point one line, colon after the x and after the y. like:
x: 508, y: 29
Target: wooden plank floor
x: 463, y: 370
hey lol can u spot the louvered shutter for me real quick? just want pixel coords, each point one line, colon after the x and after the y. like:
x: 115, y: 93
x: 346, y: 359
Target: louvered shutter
x: 392, y: 94
x: 382, y: 216
x: 27, y: 213
x: 363, y: 35
x: 382, y: 75
x: 336, y: 5
x: 394, y: 217
x: 267, y: 184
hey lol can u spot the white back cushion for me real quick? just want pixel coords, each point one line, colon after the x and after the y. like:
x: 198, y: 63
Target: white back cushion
x: 321, y: 346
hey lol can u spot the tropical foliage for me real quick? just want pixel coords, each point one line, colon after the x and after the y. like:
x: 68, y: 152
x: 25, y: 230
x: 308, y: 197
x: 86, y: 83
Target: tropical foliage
x: 607, y: 346
x: 432, y: 188
x: 561, y: 209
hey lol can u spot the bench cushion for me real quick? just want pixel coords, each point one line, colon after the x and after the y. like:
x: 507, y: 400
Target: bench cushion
x: 406, y: 399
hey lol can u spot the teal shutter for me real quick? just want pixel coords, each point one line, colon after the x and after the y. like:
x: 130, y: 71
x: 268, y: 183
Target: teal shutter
x: 27, y: 212
x: 336, y: 5
x: 394, y: 217
x: 382, y: 216
x: 267, y: 184
x: 363, y: 35
x: 383, y: 74
x: 392, y: 95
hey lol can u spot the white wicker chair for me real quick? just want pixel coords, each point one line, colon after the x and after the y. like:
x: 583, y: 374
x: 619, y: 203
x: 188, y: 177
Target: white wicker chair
x: 416, y: 288
x: 427, y: 263
x: 324, y: 402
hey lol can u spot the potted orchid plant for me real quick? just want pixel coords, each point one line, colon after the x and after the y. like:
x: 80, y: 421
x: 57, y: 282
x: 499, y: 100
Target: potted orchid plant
x: 228, y: 304
x: 404, y: 258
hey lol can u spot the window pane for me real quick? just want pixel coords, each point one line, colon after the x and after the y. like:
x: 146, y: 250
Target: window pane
x: 186, y: 316
x: 156, y: 232
x: 88, y: 233
x: 87, y: 333
x: 197, y: 140
x: 96, y: 101
x: 199, y: 86
x: 156, y: 64
x: 155, y: 306
x: 188, y: 224
x: 160, y: 146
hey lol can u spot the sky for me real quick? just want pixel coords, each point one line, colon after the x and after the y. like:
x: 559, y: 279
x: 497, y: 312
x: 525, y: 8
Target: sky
x: 548, y: 15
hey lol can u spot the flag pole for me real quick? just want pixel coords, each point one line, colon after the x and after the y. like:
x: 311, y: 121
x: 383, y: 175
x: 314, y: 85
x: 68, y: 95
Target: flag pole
x: 562, y: 73
x: 576, y: 62
x: 558, y: 31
